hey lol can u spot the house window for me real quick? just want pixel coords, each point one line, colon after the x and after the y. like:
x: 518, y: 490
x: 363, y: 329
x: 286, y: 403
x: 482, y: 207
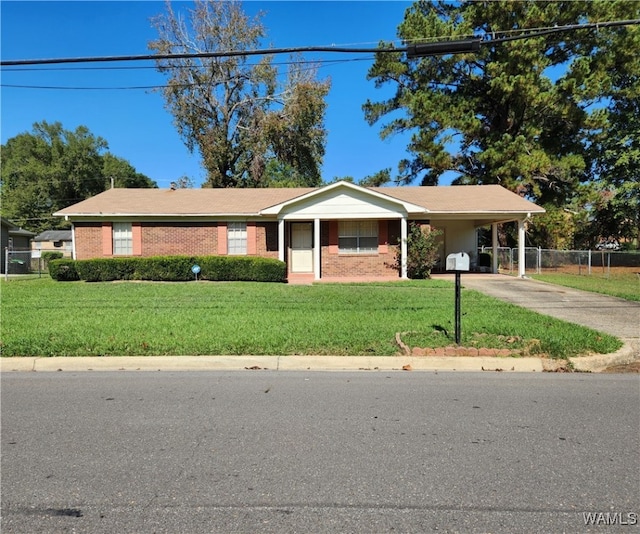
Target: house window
x: 358, y: 237
x: 237, y: 238
x: 122, y: 239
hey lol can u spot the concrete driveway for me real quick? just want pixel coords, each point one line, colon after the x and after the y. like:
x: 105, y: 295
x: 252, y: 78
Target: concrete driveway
x: 611, y: 315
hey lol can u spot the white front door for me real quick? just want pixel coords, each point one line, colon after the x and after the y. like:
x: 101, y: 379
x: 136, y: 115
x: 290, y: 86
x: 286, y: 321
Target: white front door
x: 302, y: 247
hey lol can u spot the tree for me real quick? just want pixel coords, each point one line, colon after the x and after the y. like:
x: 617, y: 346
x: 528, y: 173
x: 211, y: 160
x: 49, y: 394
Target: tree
x: 123, y: 173
x: 377, y: 179
x: 233, y: 109
x: 51, y: 168
x: 521, y: 113
x: 184, y: 182
x: 614, y: 206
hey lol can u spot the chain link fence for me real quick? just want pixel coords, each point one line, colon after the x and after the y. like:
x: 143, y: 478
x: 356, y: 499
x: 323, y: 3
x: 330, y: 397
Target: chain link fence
x: 582, y: 262
x: 21, y: 262
x: 588, y: 262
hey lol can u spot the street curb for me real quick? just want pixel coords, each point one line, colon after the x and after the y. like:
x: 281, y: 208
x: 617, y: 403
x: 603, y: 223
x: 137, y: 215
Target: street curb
x: 630, y: 352
x: 593, y: 363
x: 273, y: 363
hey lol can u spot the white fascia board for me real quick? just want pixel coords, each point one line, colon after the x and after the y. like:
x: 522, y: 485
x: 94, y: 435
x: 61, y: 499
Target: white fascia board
x: 166, y: 216
x: 481, y: 218
x: 408, y: 207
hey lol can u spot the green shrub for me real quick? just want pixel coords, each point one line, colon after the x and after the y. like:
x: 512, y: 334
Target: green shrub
x: 106, y: 269
x: 63, y: 270
x: 271, y: 270
x: 176, y: 269
x: 165, y: 268
x: 242, y: 268
x: 49, y: 255
x: 422, y: 251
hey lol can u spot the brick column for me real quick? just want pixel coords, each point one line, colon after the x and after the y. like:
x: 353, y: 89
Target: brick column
x: 136, y: 236
x: 252, y: 244
x: 222, y: 239
x: 107, y: 239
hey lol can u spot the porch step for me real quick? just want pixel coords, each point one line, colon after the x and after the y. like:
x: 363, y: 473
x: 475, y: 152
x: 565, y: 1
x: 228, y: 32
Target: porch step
x: 300, y: 278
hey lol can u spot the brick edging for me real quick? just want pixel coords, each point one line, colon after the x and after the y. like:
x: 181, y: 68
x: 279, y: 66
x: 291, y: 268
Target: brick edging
x: 464, y: 351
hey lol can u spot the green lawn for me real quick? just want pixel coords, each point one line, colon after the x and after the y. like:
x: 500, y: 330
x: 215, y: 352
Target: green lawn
x: 623, y: 285
x: 41, y: 317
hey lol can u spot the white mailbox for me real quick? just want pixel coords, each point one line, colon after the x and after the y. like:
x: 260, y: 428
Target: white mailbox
x: 458, y: 262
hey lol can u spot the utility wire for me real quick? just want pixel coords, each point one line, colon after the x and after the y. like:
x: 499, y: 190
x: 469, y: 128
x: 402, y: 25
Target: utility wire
x: 228, y: 53
x: 320, y: 62
x: 439, y: 47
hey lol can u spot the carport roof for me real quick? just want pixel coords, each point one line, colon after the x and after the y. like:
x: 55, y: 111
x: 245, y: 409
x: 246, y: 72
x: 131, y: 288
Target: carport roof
x: 463, y: 199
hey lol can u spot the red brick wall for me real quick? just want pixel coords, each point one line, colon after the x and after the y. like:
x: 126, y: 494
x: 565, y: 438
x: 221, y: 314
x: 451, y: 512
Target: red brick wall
x: 170, y: 239
x: 267, y: 239
x: 334, y: 265
x: 88, y: 240
x: 176, y: 239
x: 165, y: 239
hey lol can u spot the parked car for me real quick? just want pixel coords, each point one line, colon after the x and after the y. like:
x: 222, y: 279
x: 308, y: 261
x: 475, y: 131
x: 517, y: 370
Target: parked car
x: 608, y: 245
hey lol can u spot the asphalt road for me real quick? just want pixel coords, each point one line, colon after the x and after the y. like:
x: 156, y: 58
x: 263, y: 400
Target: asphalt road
x: 369, y: 451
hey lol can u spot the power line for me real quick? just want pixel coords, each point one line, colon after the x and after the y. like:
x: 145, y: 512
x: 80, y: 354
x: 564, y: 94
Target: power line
x: 312, y: 65
x: 428, y: 48
x: 71, y: 88
x: 320, y: 62
x: 200, y: 55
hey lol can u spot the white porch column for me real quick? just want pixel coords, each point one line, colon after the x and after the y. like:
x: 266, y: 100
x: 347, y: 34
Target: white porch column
x: 73, y: 242
x: 521, y: 266
x: 281, y: 250
x: 316, y: 249
x: 403, y: 248
x: 494, y: 248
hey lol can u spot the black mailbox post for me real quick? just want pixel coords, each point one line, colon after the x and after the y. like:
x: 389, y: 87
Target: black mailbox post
x: 458, y: 263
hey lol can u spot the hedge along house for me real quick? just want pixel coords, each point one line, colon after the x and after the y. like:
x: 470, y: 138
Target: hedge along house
x: 333, y: 232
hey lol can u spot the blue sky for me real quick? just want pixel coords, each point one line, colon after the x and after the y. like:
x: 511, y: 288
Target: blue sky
x: 135, y: 123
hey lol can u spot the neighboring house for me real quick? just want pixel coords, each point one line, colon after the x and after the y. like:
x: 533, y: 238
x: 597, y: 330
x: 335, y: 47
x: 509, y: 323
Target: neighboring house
x: 337, y: 231
x: 15, y: 239
x: 53, y: 241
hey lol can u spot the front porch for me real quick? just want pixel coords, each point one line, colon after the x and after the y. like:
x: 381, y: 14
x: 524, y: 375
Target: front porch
x: 321, y: 250
x: 345, y: 231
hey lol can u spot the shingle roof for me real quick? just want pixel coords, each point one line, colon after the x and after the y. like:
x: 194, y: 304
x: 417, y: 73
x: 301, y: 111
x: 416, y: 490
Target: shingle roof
x: 209, y: 202
x: 182, y: 201
x: 14, y: 230
x: 54, y: 235
x: 463, y: 199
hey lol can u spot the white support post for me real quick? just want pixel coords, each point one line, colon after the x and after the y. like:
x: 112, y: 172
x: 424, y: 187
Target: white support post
x: 494, y: 248
x: 73, y: 242
x: 403, y: 248
x: 316, y: 248
x: 539, y: 261
x: 281, y: 250
x: 521, y: 258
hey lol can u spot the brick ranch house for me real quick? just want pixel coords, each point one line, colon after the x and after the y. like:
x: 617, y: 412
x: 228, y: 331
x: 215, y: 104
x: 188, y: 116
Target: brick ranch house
x: 337, y: 231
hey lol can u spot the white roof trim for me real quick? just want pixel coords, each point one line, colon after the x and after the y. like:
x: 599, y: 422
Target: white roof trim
x: 408, y: 206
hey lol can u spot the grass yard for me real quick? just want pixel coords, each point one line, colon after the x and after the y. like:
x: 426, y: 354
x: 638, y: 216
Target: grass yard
x: 45, y: 318
x: 625, y: 285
